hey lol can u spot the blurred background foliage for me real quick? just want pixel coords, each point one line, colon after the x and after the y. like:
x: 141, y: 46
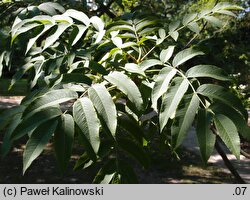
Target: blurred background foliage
x: 228, y: 47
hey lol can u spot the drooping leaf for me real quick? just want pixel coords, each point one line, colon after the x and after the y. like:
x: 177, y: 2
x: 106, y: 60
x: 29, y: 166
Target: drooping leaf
x: 29, y: 124
x: 128, y: 87
x: 207, y: 71
x: 34, y: 39
x: 80, y: 16
x: 51, y: 8
x: 166, y: 54
x: 104, y: 105
x: 97, y: 23
x: 228, y: 133
x: 37, y: 142
x: 7, y: 142
x: 51, y: 98
x: 235, y: 116
x: 63, y: 141
x: 171, y: 100
x: 185, y: 55
x: 129, y: 124
x: 81, y: 30
x: 184, y: 119
x: 7, y: 115
x: 134, y: 150
x: 61, y: 27
x: 220, y: 93
x: 206, y: 138
x: 161, y: 84
x: 86, y: 118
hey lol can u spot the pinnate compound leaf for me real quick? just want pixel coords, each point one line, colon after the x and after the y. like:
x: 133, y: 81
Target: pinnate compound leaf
x: 63, y: 140
x: 185, y: 55
x: 184, y: 119
x: 228, y: 133
x: 161, y: 84
x: 37, y: 142
x: 206, y: 138
x: 51, y: 98
x: 86, y: 118
x: 171, y: 100
x: 104, y: 105
x: 128, y: 87
x: 207, y: 71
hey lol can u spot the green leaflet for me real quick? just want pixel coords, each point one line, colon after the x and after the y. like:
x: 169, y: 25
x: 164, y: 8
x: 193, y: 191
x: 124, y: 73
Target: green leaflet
x: 207, y: 71
x: 34, y: 39
x: 183, y: 119
x: 63, y: 140
x: 220, y: 93
x: 7, y: 142
x: 51, y: 98
x: 37, y: 142
x: 128, y: 175
x: 80, y: 16
x: 228, y: 133
x: 185, y: 55
x: 7, y: 115
x: 51, y: 8
x: 162, y: 84
x: 86, y: 118
x: 206, y: 138
x: 97, y: 23
x: 134, y: 150
x: 171, y: 100
x: 128, y: 87
x: 193, y: 26
x: 146, y: 64
x: 29, y: 124
x: 61, y: 27
x: 81, y: 29
x: 104, y: 105
x: 109, y: 168
x: 134, y: 68
x: 214, y: 21
x: 166, y: 54
x: 189, y: 18
x: 235, y: 116
x: 129, y: 124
